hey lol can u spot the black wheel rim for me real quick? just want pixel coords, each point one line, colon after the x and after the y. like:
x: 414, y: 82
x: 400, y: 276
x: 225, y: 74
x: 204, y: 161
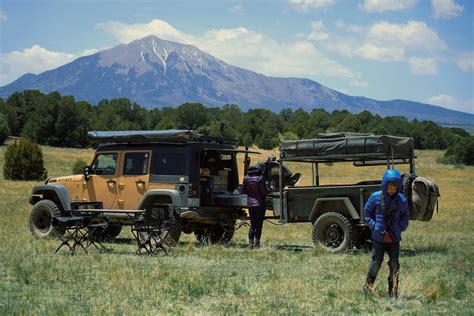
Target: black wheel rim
x: 333, y: 236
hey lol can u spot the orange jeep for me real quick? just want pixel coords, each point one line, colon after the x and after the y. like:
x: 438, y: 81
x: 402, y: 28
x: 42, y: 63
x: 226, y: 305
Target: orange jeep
x: 194, y: 175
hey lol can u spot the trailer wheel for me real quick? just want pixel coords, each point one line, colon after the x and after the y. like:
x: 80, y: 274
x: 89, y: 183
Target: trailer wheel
x: 333, y: 232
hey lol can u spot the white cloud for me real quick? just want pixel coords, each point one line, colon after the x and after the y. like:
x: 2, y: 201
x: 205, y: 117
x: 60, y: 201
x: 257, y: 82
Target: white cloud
x: 452, y: 103
x: 380, y: 53
x: 237, y: 9
x: 413, y: 34
x: 128, y: 32
x: 386, y: 5
x: 446, y: 9
x: 244, y: 48
x: 3, y: 16
x: 423, y: 66
x: 465, y: 61
x: 318, y: 32
x: 30, y: 60
x: 305, y: 5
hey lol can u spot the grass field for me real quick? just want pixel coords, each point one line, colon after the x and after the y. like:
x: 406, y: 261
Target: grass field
x: 287, y: 275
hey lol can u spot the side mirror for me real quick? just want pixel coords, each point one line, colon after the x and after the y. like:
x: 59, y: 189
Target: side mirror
x: 87, y: 171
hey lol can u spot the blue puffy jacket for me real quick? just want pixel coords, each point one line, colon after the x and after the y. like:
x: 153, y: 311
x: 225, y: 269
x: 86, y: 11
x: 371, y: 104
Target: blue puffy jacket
x: 374, y: 215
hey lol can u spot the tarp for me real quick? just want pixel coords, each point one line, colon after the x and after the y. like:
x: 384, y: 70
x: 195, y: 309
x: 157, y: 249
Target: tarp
x: 348, y: 146
x: 171, y: 135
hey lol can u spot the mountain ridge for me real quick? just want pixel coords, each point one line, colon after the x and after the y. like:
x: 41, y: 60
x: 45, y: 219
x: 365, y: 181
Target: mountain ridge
x: 156, y: 73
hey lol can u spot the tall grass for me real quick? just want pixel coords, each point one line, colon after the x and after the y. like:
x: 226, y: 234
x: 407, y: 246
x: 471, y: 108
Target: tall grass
x: 287, y: 275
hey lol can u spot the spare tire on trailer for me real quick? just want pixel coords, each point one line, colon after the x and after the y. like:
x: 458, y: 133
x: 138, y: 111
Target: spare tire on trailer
x: 334, y: 232
x: 40, y: 219
x: 407, y: 181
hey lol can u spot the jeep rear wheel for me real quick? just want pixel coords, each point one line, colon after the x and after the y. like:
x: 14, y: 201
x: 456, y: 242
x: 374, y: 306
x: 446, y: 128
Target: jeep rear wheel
x: 40, y: 219
x: 333, y: 232
x: 174, y: 231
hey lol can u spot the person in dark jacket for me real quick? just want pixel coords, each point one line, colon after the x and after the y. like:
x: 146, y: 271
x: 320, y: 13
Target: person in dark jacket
x: 255, y: 188
x: 386, y: 213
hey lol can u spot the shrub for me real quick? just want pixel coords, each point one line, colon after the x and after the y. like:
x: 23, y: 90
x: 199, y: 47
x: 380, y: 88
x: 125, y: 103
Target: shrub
x: 24, y: 161
x: 461, y: 152
x: 4, y: 130
x: 78, y: 166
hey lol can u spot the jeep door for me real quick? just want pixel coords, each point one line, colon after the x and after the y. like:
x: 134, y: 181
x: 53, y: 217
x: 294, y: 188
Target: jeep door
x: 102, y: 183
x: 134, y: 178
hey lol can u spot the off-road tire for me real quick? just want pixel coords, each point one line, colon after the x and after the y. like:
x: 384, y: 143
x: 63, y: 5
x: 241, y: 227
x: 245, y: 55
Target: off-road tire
x: 407, y: 181
x: 174, y: 231
x: 40, y: 219
x: 214, y: 234
x: 334, y: 232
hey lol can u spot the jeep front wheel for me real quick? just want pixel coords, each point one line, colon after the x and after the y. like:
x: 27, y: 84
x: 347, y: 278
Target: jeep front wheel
x: 333, y: 232
x: 40, y: 218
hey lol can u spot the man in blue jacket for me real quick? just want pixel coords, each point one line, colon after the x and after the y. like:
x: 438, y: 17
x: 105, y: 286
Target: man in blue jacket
x: 386, y: 213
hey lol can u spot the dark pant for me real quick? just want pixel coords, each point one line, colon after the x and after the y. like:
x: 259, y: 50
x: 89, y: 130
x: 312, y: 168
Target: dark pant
x: 257, y: 214
x: 378, y: 251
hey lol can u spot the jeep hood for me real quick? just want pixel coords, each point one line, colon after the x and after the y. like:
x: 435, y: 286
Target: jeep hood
x: 67, y: 179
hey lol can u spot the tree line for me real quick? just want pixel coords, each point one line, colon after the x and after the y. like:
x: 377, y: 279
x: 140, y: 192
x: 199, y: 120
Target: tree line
x: 56, y: 120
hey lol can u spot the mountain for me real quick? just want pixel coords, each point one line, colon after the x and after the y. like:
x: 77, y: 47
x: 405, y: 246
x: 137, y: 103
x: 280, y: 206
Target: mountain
x: 155, y: 73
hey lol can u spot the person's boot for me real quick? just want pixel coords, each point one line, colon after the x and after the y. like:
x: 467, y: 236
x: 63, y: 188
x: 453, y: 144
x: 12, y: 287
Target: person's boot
x: 257, y: 243
x: 368, y: 286
x: 393, y: 285
x: 251, y: 244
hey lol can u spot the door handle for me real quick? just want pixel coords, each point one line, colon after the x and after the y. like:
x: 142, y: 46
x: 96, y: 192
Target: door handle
x: 140, y: 181
x: 110, y: 181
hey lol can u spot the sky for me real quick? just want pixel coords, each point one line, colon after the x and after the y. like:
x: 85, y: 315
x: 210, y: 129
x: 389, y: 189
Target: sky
x: 419, y: 50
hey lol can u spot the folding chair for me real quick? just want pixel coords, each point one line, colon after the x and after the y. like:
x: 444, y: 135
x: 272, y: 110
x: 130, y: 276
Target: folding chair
x: 95, y: 226
x: 151, y: 230
x: 69, y: 230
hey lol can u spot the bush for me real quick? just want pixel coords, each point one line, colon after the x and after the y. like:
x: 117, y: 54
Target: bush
x: 24, y: 161
x: 4, y: 130
x: 461, y: 152
x: 78, y: 166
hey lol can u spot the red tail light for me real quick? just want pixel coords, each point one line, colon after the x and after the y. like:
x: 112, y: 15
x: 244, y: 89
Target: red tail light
x: 192, y: 190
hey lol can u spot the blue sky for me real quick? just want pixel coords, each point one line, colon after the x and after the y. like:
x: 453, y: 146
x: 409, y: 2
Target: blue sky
x: 419, y: 50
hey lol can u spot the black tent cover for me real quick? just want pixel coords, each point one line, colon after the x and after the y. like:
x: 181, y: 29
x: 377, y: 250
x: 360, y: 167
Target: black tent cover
x: 348, y: 146
x: 171, y: 135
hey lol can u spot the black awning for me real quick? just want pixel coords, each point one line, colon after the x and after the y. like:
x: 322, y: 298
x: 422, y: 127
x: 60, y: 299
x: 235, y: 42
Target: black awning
x: 348, y: 147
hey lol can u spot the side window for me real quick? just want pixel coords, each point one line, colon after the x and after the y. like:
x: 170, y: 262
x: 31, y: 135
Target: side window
x: 136, y: 164
x: 104, y: 164
x: 169, y: 164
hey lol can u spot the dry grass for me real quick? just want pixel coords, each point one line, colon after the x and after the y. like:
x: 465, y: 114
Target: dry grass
x: 287, y: 275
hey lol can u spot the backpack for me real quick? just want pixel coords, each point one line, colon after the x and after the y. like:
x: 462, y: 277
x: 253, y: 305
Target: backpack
x: 424, y: 198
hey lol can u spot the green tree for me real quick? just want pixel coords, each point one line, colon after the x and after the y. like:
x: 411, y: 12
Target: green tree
x: 4, y: 129
x: 191, y: 116
x: 24, y: 161
x: 462, y: 152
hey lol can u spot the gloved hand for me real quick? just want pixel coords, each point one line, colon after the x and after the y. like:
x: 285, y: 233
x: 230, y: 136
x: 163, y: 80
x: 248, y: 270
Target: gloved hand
x: 387, y: 237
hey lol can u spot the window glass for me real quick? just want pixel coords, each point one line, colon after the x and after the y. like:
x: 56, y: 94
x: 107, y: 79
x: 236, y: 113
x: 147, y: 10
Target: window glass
x: 136, y: 164
x: 104, y: 164
x: 169, y: 164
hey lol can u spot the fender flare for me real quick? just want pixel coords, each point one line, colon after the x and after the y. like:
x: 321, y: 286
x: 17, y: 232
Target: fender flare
x: 60, y: 191
x: 318, y: 209
x: 176, y: 198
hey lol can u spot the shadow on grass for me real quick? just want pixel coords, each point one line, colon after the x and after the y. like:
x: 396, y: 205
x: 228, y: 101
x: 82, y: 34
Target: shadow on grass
x: 424, y: 250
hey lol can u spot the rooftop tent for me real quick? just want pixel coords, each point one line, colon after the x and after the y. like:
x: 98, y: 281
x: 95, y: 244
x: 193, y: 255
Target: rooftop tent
x: 171, y: 135
x: 348, y: 146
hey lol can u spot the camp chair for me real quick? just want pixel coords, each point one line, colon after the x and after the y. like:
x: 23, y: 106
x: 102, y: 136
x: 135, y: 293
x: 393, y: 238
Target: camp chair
x: 151, y: 230
x: 69, y: 230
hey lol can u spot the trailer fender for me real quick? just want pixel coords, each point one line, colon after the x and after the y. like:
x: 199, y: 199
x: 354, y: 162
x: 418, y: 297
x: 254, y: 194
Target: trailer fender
x: 339, y: 204
x: 162, y: 196
x: 57, y: 193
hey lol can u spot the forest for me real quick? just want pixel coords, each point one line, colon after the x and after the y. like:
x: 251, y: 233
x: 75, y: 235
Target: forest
x: 62, y: 121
